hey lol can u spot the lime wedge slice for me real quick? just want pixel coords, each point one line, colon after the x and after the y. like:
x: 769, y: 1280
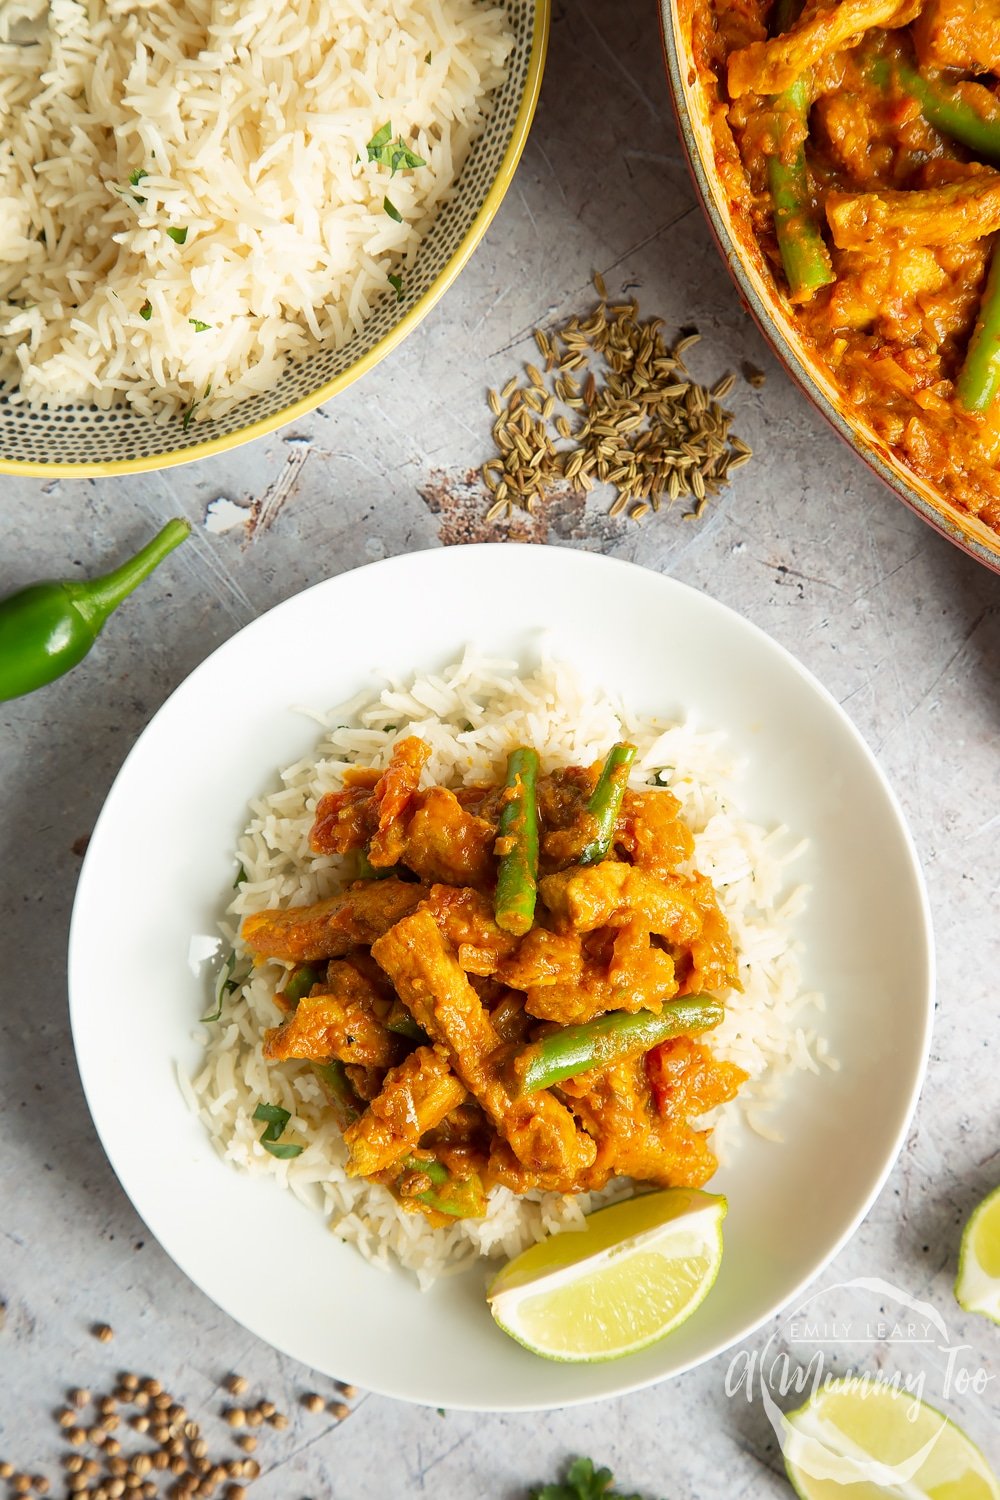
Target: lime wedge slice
x: 860, y: 1439
x: 636, y: 1271
x: 977, y: 1285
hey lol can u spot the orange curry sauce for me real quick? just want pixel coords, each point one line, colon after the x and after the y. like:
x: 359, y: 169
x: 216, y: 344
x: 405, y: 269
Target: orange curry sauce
x: 893, y: 328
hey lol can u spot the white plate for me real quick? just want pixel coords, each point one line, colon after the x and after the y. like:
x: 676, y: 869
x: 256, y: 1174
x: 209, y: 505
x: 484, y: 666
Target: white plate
x: 160, y: 866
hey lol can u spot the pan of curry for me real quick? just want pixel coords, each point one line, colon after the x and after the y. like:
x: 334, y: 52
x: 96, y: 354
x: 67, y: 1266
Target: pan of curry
x: 847, y: 153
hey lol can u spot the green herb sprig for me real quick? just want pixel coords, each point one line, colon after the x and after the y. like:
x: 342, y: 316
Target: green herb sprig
x: 274, y: 1119
x: 224, y: 985
x: 396, y: 282
x: 583, y: 1482
x: 178, y: 235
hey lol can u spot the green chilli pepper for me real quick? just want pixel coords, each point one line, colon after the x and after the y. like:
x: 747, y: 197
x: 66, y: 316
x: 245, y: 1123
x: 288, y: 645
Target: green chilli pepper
x: 609, y: 1039
x: 48, y: 628
x: 979, y: 381
x: 458, y: 1197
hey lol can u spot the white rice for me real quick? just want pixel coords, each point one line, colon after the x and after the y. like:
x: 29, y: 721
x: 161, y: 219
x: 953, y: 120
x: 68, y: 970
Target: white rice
x: 471, y: 714
x: 251, y: 120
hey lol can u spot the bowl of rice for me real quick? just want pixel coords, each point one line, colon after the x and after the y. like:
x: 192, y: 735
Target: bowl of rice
x: 214, y: 217
x: 799, y: 833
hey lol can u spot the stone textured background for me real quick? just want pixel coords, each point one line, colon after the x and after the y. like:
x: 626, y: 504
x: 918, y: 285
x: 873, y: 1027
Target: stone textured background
x: 900, y: 627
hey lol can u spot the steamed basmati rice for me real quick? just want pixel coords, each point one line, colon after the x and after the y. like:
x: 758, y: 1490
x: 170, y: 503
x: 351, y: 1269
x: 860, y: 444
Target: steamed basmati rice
x: 186, y: 199
x: 471, y: 714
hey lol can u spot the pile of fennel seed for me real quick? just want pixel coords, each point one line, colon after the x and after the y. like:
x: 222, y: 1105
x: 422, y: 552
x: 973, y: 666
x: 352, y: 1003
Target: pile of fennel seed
x: 631, y: 416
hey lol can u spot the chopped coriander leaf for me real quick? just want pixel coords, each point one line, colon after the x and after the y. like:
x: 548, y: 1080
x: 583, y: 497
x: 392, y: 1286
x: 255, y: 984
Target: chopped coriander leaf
x: 178, y: 235
x: 271, y: 1114
x: 146, y: 310
x: 392, y: 210
x: 379, y: 140
x: 403, y: 157
x: 198, y: 325
x: 282, y: 1152
x: 224, y: 985
x: 396, y: 282
x: 241, y: 875
x: 427, y: 58
x: 135, y: 178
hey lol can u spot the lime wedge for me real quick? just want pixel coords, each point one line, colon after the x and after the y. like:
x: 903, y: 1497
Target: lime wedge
x: 977, y: 1285
x: 637, y: 1270
x: 859, y: 1439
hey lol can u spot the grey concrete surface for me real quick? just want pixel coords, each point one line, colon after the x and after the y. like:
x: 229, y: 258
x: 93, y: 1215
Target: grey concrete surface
x: 901, y: 627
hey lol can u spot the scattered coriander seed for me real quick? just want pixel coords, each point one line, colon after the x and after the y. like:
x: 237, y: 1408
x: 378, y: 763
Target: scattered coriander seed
x: 141, y: 1464
x: 110, y: 1422
x: 72, y: 1463
x: 161, y: 1401
x: 140, y: 1423
x: 348, y: 1391
x: 248, y: 1443
x: 313, y: 1403
x: 118, y: 1468
x: 6, y: 1469
x: 235, y: 1492
x: 80, y: 1397
x: 97, y: 1436
x: 177, y: 1413
x: 217, y: 1473
x: 161, y: 1459
x: 112, y: 1446
x: 236, y: 1416
x: 176, y: 1465
x: 107, y: 1406
x: 236, y: 1385
x: 149, y: 1490
x: 128, y: 1381
x: 66, y: 1417
x: 152, y: 1387
x: 78, y: 1482
x: 199, y: 1448
x: 192, y: 1430
x: 251, y: 1468
x: 254, y: 1418
x: 266, y: 1408
x: 116, y: 1488
x: 40, y: 1484
x: 76, y: 1436
x: 104, y: 1332
x: 279, y: 1421
x: 21, y: 1484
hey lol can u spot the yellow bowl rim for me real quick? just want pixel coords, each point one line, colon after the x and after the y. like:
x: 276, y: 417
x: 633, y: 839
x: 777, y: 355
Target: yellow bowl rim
x: 406, y: 324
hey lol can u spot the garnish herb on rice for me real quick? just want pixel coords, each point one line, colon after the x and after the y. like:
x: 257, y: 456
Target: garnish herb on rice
x: 135, y: 178
x: 187, y: 416
x: 396, y: 282
x: 392, y: 210
x: 198, y: 325
x: 178, y: 235
x: 224, y: 985
x: 146, y: 310
x: 275, y: 1119
x: 394, y: 154
x: 241, y: 875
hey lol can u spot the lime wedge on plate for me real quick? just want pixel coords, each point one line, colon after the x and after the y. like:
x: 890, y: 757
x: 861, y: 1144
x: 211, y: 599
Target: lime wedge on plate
x: 977, y: 1285
x: 636, y: 1271
x: 860, y: 1439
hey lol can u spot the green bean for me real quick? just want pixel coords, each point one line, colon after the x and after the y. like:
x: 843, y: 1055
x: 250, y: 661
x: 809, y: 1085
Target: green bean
x: 606, y: 801
x: 947, y: 109
x: 609, y: 1039
x: 368, y: 871
x: 402, y: 1023
x: 458, y: 1197
x: 299, y: 985
x: 800, y: 241
x: 346, y: 1105
x: 517, y: 877
x: 979, y: 380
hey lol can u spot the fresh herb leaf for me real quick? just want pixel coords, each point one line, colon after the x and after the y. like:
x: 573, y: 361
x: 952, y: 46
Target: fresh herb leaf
x: 392, y: 210
x: 178, y: 235
x: 396, y: 282
x: 283, y: 1152
x: 224, y: 985
x: 275, y: 1118
x: 403, y: 158
x: 241, y: 875
x: 583, y: 1482
x: 135, y: 178
x: 379, y: 141
x: 146, y: 310
x: 198, y: 325
x: 188, y: 413
x: 427, y: 58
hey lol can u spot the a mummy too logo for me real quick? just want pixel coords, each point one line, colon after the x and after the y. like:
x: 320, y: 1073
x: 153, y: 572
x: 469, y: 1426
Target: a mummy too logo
x: 851, y: 1381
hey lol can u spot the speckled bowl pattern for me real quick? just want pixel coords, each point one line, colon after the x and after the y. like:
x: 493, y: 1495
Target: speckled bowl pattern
x: 81, y: 440
x: 752, y: 277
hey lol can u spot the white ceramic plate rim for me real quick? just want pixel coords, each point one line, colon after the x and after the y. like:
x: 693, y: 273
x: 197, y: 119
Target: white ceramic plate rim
x: 612, y: 578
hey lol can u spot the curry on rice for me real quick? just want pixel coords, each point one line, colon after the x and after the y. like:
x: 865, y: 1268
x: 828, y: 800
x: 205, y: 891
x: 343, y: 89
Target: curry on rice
x: 859, y: 145
x: 516, y: 989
